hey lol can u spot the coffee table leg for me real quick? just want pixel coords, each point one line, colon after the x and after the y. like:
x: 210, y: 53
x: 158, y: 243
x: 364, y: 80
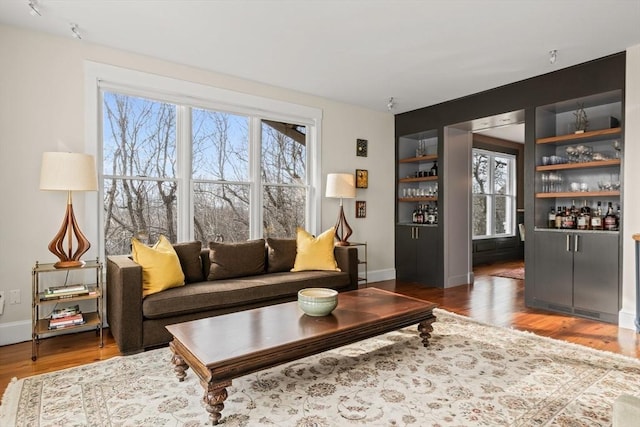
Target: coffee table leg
x: 425, y: 328
x: 180, y: 366
x: 214, y: 398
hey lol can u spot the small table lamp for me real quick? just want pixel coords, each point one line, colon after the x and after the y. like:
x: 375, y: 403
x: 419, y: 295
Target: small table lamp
x: 342, y: 186
x: 68, y: 172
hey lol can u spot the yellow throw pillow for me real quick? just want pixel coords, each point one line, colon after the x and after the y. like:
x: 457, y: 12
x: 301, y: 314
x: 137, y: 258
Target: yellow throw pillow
x: 315, y: 253
x: 160, y: 266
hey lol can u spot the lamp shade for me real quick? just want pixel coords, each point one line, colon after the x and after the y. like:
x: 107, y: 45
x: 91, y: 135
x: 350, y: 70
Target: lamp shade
x: 341, y: 185
x: 68, y: 172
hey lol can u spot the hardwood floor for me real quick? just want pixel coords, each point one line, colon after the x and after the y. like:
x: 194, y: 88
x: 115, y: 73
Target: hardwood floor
x: 494, y: 300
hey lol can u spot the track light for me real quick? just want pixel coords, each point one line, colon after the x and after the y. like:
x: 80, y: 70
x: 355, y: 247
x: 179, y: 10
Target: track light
x: 35, y: 10
x: 391, y: 104
x: 75, y: 31
x: 553, y: 56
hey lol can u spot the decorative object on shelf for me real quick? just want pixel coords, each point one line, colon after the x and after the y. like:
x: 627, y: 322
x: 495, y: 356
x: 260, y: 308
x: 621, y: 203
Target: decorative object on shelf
x: 68, y: 172
x: 341, y: 186
x: 361, y: 147
x: 616, y: 146
x: 581, y: 123
x: 361, y: 209
x: 362, y: 178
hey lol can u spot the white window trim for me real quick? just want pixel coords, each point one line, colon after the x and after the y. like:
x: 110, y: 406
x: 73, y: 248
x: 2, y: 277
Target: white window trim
x: 512, y: 194
x: 108, y: 77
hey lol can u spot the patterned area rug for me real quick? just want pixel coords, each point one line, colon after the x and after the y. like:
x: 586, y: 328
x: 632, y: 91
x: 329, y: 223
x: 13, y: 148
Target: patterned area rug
x: 471, y: 375
x: 514, y: 273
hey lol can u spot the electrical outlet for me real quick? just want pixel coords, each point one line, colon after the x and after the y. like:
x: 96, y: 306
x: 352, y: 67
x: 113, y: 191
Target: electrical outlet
x: 14, y: 296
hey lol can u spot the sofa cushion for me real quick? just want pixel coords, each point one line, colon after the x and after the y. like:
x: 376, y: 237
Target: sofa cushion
x: 160, y: 265
x: 189, y: 256
x: 239, y: 259
x: 315, y: 253
x: 204, y: 296
x: 281, y: 254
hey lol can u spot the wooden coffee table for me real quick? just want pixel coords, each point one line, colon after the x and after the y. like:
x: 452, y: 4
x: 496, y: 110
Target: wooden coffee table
x: 222, y: 348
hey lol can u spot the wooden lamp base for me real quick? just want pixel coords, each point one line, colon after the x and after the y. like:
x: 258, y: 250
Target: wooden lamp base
x: 343, y: 231
x: 69, y: 229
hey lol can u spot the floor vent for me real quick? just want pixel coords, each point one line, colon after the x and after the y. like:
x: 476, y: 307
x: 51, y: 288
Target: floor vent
x: 560, y: 308
x: 586, y: 313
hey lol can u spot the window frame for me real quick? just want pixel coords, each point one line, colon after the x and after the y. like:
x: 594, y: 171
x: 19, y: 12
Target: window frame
x: 99, y: 77
x: 491, y: 196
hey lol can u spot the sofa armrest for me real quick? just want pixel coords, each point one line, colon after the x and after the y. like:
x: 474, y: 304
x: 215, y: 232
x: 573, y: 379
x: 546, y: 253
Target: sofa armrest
x: 124, y: 302
x: 626, y: 411
x: 347, y: 259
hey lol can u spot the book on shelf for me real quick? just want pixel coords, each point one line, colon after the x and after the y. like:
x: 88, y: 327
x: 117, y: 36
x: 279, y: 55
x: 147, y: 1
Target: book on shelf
x: 76, y: 319
x: 69, y: 325
x: 59, y: 313
x: 71, y: 291
x: 65, y: 289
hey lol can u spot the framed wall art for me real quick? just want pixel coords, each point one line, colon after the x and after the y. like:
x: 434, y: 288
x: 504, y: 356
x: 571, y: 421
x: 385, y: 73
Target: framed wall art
x: 361, y: 147
x: 361, y: 209
x: 362, y: 178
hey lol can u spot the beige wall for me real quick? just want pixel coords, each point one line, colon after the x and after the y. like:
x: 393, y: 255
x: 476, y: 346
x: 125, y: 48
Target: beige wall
x: 42, y: 109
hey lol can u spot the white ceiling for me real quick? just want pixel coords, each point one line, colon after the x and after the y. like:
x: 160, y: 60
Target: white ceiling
x: 355, y: 51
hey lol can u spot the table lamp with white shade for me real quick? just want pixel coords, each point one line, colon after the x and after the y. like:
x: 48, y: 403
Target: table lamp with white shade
x: 342, y: 186
x: 68, y: 172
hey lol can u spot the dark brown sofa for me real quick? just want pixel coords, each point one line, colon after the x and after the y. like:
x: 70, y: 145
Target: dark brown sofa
x: 138, y: 323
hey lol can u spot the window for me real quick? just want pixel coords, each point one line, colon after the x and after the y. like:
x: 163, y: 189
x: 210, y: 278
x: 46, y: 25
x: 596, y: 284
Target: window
x: 494, y: 198
x: 189, y: 172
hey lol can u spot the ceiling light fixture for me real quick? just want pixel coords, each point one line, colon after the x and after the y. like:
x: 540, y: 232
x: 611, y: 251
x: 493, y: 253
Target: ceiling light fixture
x: 75, y: 31
x: 35, y: 10
x: 391, y: 104
x: 553, y: 56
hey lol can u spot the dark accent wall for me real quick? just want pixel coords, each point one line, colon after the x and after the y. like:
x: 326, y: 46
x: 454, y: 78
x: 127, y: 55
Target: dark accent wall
x: 600, y: 75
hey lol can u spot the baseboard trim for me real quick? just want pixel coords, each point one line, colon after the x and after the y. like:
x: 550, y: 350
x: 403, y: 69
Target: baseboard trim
x: 15, y: 332
x: 381, y: 275
x: 626, y: 319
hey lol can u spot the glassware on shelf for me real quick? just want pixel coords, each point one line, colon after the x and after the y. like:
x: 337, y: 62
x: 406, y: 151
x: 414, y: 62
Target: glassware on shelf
x: 552, y: 182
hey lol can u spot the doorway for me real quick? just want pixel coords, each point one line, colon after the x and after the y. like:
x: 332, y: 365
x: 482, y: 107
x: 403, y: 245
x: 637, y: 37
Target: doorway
x: 502, y: 134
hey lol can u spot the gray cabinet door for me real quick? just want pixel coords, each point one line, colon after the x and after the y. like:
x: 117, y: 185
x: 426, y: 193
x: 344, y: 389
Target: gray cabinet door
x: 553, y: 268
x: 428, y: 255
x: 406, y: 253
x: 595, y: 272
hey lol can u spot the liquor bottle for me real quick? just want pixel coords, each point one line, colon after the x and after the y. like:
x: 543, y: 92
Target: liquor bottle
x: 584, y: 218
x: 414, y: 216
x: 430, y: 216
x: 596, y: 218
x: 610, y: 222
x: 559, y: 215
x: 435, y: 212
x: 420, y: 215
x: 552, y: 218
x: 568, y: 220
x: 434, y: 169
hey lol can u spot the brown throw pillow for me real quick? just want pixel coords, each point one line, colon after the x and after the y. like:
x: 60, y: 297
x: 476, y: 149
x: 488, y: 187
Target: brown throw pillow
x: 240, y: 259
x: 281, y: 254
x: 189, y: 256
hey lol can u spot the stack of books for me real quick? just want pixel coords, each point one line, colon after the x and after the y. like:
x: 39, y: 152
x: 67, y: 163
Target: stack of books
x: 65, y: 291
x: 66, y: 317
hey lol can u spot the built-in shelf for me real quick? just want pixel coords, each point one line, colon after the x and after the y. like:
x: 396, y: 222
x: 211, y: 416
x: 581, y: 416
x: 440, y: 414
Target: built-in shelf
x: 427, y: 158
x: 566, y: 166
x: 419, y: 179
x: 577, y: 194
x: 583, y: 137
x: 418, y: 199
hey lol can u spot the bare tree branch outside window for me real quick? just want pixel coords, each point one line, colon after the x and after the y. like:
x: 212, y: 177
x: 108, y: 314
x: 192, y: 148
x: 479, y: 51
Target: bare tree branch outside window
x: 140, y: 148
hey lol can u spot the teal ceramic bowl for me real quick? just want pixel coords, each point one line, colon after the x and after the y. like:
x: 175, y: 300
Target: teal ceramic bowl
x: 317, y: 301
